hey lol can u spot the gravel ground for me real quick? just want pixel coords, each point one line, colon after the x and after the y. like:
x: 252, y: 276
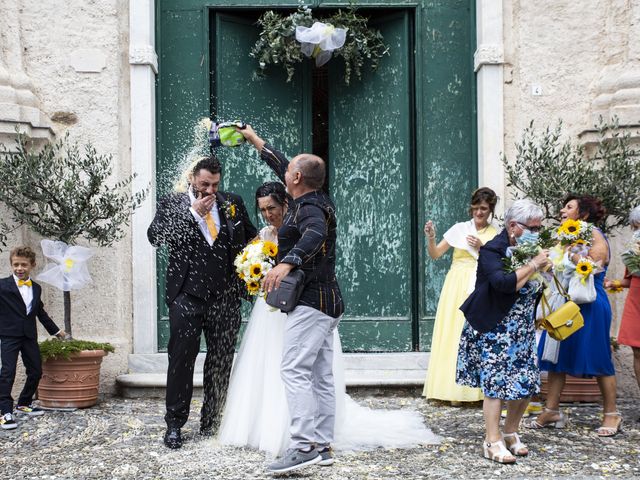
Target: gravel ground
x: 122, y: 439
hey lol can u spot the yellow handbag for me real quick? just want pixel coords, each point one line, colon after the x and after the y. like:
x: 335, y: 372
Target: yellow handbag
x: 564, y: 321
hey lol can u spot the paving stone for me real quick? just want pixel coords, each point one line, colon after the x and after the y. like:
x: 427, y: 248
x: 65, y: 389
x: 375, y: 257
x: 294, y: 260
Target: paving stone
x: 122, y: 439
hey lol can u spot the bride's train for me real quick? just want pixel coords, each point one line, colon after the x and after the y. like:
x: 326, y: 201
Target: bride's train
x: 256, y: 413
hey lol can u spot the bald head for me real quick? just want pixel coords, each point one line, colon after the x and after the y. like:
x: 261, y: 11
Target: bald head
x: 312, y: 169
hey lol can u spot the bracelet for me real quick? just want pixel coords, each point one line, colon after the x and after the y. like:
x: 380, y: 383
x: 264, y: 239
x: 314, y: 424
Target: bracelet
x: 535, y: 265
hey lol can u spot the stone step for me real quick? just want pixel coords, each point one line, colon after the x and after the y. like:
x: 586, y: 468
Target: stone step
x: 147, y: 372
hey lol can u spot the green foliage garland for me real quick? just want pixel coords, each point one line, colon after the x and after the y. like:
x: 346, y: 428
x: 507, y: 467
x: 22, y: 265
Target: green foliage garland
x: 547, y: 168
x: 277, y: 44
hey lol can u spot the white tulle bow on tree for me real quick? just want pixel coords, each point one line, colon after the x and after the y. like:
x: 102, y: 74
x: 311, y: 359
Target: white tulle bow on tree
x: 320, y: 41
x: 69, y: 268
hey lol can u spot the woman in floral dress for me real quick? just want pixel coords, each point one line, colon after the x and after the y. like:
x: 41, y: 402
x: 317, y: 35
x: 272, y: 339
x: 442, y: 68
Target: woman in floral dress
x: 497, y: 350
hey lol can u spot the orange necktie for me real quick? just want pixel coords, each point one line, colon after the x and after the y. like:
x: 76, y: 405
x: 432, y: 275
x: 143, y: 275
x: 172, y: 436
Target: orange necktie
x: 28, y: 283
x: 211, y: 225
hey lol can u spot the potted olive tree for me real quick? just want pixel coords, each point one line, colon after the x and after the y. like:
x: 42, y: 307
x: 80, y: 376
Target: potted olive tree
x: 65, y: 193
x: 548, y: 166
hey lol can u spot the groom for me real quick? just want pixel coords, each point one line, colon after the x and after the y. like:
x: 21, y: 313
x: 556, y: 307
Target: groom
x: 204, y: 229
x: 306, y: 240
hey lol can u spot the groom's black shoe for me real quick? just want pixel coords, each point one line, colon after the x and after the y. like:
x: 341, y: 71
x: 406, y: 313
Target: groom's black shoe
x: 172, y: 438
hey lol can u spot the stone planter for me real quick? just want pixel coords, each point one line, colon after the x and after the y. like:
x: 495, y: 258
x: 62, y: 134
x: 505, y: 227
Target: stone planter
x: 575, y: 389
x: 71, y: 383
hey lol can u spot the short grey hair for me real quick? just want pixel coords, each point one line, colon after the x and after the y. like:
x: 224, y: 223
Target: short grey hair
x: 523, y: 211
x: 634, y: 216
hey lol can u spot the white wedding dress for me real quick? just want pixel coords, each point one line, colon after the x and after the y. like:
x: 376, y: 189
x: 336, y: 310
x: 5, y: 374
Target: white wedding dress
x: 256, y: 412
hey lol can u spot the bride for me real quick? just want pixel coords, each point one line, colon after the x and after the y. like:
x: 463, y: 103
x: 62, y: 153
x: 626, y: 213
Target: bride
x: 256, y: 412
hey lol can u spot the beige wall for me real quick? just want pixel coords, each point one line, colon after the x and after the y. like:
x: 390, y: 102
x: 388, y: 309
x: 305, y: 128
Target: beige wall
x: 60, y: 37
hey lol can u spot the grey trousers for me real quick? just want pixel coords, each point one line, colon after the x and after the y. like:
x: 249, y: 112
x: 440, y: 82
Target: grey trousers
x: 307, y: 373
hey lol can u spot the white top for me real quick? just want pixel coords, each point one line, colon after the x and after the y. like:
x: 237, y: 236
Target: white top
x: 27, y: 294
x: 202, y: 223
x: 457, y: 235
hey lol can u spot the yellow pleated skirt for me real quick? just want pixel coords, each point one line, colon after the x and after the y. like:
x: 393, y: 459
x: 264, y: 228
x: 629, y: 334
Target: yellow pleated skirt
x: 441, y: 374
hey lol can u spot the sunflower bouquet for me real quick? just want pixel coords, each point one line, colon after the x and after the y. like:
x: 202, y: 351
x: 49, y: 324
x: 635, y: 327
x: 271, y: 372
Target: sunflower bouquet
x: 631, y: 256
x: 576, y: 233
x: 254, y: 262
x: 586, y: 267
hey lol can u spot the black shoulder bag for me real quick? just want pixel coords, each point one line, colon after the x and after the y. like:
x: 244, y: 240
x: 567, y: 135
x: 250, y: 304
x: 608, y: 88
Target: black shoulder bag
x: 287, y: 295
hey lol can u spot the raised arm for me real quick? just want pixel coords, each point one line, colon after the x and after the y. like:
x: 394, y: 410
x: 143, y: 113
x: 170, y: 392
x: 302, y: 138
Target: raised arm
x: 275, y: 159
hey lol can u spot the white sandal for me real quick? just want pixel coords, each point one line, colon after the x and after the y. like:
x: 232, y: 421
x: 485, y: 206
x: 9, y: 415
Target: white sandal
x: 603, y: 431
x: 518, y: 448
x: 560, y: 423
x: 502, y: 456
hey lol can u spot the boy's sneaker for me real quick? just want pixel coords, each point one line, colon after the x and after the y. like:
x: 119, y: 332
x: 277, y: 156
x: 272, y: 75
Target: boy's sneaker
x: 328, y: 457
x: 30, y: 410
x: 294, y: 459
x: 7, y: 422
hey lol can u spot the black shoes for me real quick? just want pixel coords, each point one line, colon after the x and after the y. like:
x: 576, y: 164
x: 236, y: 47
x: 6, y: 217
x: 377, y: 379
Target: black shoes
x: 172, y: 438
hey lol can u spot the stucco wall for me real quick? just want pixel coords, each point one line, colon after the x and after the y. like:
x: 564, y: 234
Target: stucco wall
x: 58, y: 38
x: 566, y: 49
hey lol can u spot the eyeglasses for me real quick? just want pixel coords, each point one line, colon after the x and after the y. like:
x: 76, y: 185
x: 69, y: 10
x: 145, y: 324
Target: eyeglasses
x: 534, y: 228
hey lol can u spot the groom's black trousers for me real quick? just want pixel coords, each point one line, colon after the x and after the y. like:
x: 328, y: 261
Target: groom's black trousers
x: 219, y: 319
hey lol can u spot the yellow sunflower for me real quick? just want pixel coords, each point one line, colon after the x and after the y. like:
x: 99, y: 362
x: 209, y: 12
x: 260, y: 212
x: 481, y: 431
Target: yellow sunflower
x: 241, y: 275
x: 570, y: 227
x: 270, y: 249
x: 253, y: 286
x: 584, y: 268
x: 580, y: 241
x: 255, y: 270
x: 232, y: 210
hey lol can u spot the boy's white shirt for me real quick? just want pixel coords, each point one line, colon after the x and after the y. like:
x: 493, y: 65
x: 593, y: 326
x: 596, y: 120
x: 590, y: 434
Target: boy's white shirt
x: 27, y: 294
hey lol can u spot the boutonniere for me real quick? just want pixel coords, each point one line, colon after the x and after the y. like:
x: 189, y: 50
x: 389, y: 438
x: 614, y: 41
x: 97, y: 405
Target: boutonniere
x: 229, y: 207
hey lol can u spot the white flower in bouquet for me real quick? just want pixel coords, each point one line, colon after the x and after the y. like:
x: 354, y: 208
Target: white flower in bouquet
x: 254, y: 262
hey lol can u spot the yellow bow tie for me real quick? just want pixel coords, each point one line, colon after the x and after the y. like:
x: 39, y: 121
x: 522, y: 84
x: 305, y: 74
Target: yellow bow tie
x: 28, y: 283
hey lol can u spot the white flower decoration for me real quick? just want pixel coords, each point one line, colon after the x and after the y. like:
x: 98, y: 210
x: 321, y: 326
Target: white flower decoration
x: 320, y: 41
x: 69, y: 270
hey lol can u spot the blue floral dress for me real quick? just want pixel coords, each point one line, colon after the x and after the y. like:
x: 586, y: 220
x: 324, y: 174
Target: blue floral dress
x: 503, y: 361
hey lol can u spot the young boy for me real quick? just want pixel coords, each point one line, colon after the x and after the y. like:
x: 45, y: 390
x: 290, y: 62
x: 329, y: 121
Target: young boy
x: 20, y: 304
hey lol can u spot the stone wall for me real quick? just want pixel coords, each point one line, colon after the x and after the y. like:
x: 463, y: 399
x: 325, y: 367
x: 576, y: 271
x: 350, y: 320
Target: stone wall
x: 574, y: 61
x: 76, y: 55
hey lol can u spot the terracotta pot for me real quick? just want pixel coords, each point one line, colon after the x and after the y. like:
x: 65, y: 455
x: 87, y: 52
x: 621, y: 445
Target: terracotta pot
x: 71, y: 383
x: 575, y: 389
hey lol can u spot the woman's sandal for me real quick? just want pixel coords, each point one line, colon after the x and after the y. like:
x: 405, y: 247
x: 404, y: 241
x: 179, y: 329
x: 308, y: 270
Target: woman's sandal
x: 559, y: 423
x: 501, y: 456
x: 610, y: 431
x: 515, y: 446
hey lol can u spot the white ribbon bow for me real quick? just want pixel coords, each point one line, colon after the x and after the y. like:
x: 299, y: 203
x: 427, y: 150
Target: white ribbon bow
x: 69, y: 270
x: 320, y: 41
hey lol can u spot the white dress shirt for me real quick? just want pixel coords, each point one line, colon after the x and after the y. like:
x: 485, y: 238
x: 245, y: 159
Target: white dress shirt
x: 27, y: 294
x: 202, y: 223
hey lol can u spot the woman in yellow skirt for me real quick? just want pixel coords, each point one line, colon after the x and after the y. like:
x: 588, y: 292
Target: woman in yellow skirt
x: 466, y: 238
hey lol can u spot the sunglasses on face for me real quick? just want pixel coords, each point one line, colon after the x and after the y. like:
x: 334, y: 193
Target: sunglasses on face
x: 531, y: 228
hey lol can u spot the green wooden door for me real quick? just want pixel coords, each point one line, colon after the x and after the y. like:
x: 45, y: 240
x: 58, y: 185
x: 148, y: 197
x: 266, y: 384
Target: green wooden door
x: 276, y: 108
x: 382, y: 168
x: 370, y: 152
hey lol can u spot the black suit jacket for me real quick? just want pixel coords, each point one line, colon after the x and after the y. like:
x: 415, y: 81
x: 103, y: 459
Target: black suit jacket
x: 193, y: 264
x: 14, y: 321
x: 495, y: 291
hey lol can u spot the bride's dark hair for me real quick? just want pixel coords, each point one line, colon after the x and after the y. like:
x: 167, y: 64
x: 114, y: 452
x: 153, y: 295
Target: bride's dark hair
x: 275, y: 190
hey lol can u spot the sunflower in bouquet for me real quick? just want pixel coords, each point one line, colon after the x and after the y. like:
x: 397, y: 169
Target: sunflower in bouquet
x: 575, y: 233
x: 254, y: 262
x: 631, y: 256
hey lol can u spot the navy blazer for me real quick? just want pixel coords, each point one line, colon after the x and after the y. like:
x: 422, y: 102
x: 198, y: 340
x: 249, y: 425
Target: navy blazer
x: 495, y: 291
x: 14, y: 321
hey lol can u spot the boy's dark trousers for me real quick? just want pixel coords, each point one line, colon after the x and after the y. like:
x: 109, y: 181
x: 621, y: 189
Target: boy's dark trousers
x: 10, y: 347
